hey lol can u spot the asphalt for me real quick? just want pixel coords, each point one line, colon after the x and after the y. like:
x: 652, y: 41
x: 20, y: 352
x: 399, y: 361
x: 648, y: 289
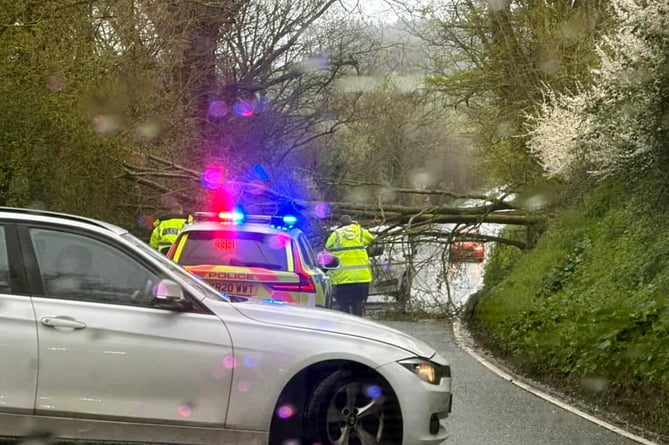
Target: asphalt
x: 489, y: 410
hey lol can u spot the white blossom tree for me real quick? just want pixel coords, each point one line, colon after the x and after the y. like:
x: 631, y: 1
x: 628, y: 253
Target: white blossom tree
x: 620, y: 124
x: 555, y: 138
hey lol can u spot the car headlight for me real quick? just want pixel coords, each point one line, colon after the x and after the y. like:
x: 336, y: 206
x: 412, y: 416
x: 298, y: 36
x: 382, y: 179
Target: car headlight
x: 427, y: 370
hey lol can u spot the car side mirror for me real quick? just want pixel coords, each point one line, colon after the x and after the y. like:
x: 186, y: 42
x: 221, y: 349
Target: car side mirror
x: 326, y: 260
x: 374, y: 250
x: 168, y: 290
x: 167, y: 294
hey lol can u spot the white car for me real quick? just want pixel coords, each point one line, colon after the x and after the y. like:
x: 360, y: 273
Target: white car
x: 389, y: 258
x: 103, y: 338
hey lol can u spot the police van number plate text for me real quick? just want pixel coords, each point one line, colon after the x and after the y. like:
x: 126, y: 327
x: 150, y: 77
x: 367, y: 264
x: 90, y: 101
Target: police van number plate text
x: 232, y: 288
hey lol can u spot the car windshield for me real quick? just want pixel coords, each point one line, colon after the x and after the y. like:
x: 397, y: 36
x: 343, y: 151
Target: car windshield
x: 235, y: 248
x: 192, y: 280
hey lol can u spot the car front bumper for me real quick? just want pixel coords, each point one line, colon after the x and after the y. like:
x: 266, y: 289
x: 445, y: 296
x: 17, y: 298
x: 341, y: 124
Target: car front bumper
x: 424, y: 406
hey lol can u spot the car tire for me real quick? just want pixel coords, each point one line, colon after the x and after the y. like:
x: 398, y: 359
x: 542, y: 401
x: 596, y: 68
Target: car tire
x: 346, y: 409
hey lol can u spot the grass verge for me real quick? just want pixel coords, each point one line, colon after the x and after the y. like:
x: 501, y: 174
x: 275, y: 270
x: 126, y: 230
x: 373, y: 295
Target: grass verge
x: 587, y: 309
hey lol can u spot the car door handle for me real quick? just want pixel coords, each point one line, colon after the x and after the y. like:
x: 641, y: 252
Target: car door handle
x: 60, y: 322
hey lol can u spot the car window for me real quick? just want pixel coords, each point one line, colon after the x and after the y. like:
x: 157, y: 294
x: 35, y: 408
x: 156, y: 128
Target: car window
x: 5, y: 282
x: 395, y: 248
x: 80, y: 268
x: 308, y: 254
x: 232, y: 248
x: 193, y: 280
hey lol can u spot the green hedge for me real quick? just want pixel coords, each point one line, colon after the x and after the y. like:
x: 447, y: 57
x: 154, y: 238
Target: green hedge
x: 587, y: 308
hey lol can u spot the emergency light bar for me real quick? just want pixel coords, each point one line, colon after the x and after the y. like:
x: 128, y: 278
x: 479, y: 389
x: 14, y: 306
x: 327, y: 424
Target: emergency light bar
x: 285, y: 222
x: 233, y: 217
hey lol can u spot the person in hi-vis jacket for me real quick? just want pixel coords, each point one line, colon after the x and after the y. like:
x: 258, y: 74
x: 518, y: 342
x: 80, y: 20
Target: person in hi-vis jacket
x: 167, y: 228
x: 351, y: 279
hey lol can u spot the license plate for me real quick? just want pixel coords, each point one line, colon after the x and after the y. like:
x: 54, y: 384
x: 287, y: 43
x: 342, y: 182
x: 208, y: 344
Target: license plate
x: 232, y: 288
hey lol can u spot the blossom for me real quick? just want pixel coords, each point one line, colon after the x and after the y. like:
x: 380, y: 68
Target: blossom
x: 616, y: 124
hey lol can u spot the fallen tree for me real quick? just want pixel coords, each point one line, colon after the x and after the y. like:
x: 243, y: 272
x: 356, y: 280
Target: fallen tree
x: 167, y: 177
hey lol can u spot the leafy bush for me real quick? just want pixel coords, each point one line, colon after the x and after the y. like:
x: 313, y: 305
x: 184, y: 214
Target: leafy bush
x: 589, y: 303
x: 618, y: 125
x: 503, y: 257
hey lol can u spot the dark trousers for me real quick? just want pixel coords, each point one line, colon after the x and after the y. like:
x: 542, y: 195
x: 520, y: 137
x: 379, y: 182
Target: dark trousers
x: 351, y: 297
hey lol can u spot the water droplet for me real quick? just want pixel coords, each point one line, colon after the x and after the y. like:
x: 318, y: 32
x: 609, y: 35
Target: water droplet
x: 55, y: 83
x: 218, y: 108
x: 322, y: 210
x: 105, y: 123
x: 243, y: 108
x: 285, y: 411
x: 148, y: 130
x: 185, y: 410
x: 229, y: 362
x: 374, y: 391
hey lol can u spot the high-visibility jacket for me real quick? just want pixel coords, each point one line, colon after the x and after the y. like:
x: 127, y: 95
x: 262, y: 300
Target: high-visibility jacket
x: 348, y: 243
x: 166, y: 230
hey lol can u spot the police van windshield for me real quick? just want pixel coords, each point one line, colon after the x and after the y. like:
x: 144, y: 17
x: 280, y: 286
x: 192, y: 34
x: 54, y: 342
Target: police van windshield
x: 233, y: 248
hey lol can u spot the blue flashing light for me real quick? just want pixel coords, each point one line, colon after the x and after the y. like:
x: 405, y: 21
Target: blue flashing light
x: 233, y: 217
x: 285, y: 222
x: 290, y: 220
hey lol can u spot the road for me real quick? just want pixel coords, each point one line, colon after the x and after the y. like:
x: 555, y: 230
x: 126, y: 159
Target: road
x: 488, y: 410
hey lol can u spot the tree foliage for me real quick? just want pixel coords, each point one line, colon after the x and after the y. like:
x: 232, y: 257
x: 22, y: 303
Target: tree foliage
x: 399, y: 134
x: 494, y: 58
x: 269, y: 103
x: 619, y: 125
x: 50, y: 74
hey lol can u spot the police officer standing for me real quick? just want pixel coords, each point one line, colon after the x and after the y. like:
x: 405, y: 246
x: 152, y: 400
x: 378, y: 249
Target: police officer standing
x: 351, y: 280
x: 166, y: 229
